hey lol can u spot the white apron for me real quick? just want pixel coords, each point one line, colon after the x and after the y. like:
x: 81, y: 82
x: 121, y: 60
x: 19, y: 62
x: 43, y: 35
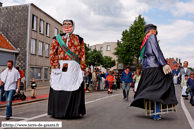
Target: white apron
x: 136, y: 85
x: 183, y: 90
x: 67, y: 81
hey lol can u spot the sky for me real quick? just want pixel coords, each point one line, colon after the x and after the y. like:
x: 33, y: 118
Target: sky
x: 104, y: 20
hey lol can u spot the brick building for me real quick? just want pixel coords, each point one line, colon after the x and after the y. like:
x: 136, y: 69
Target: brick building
x: 30, y: 30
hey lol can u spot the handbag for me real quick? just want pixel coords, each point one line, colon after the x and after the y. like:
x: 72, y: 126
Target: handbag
x: 188, y: 90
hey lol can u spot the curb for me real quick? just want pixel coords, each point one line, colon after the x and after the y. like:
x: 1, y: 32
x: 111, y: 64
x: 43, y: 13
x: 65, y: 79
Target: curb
x: 23, y: 102
x: 40, y: 88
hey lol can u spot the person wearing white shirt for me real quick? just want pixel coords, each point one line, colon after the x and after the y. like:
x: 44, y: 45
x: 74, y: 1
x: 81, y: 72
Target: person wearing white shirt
x: 184, y: 71
x: 11, y: 78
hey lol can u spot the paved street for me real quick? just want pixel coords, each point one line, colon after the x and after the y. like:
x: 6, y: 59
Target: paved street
x: 105, y: 112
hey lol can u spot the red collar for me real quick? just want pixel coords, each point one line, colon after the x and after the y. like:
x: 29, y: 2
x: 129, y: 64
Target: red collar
x: 192, y: 77
x: 175, y: 68
x: 144, y: 41
x: 126, y: 72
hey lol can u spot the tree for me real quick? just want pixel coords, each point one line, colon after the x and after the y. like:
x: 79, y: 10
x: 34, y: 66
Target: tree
x: 190, y: 68
x: 128, y: 49
x: 87, y: 54
x: 108, y: 62
x: 95, y: 58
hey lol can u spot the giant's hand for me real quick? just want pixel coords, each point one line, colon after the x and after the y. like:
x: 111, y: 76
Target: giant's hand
x: 56, y: 71
x: 167, y: 69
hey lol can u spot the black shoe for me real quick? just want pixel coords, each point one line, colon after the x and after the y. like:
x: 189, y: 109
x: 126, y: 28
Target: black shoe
x: 157, y: 119
x: 7, y: 117
x: 192, y: 104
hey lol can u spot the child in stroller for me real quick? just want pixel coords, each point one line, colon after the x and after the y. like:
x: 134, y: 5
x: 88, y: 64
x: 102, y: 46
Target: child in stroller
x: 110, y: 80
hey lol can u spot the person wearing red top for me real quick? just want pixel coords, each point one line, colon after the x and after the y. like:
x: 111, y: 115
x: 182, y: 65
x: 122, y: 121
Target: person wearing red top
x: 110, y: 80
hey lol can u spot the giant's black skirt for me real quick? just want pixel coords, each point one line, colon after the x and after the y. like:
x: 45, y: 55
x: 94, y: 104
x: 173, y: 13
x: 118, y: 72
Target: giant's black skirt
x: 66, y: 104
x: 154, y: 85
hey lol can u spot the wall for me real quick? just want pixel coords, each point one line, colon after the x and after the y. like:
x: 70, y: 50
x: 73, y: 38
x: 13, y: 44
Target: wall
x: 35, y: 60
x: 13, y: 24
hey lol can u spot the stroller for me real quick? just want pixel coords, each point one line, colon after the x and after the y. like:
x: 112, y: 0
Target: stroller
x: 20, y: 95
x: 110, y: 83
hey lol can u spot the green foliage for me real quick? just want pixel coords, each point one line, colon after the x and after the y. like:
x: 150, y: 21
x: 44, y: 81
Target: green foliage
x: 190, y: 68
x: 95, y: 58
x: 128, y: 49
x: 108, y: 62
x: 87, y: 53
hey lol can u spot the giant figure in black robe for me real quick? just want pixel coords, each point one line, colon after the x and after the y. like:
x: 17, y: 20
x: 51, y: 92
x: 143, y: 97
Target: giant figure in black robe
x: 155, y: 84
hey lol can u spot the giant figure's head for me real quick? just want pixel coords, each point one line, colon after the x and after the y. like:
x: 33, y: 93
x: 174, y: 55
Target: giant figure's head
x: 150, y: 29
x: 68, y: 26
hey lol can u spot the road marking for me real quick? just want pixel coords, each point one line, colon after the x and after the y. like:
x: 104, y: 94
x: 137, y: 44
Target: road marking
x: 27, y: 119
x: 188, y: 115
x: 101, y: 98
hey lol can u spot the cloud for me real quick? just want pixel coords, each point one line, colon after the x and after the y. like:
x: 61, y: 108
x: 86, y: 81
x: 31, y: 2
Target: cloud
x: 109, y: 8
x: 176, y: 7
x: 161, y: 4
x: 183, y: 7
x: 173, y: 33
x: 96, y: 21
x: 11, y: 2
x: 172, y: 40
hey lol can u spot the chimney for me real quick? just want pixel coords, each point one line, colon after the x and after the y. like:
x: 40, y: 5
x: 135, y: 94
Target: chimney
x: 1, y: 4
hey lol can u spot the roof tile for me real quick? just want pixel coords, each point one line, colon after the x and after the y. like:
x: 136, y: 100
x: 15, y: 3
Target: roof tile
x: 4, y: 43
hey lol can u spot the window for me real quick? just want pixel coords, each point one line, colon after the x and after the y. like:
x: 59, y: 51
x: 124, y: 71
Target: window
x: 35, y: 72
x: 47, y: 29
x: 33, y: 46
x: 34, y: 22
x: 101, y: 49
x: 40, y: 48
x: 108, y: 48
x: 41, y: 26
x: 46, y: 73
x: 47, y: 50
x: 56, y: 31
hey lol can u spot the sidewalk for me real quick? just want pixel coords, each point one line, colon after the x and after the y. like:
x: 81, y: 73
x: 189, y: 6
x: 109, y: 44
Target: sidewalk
x: 42, y: 93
